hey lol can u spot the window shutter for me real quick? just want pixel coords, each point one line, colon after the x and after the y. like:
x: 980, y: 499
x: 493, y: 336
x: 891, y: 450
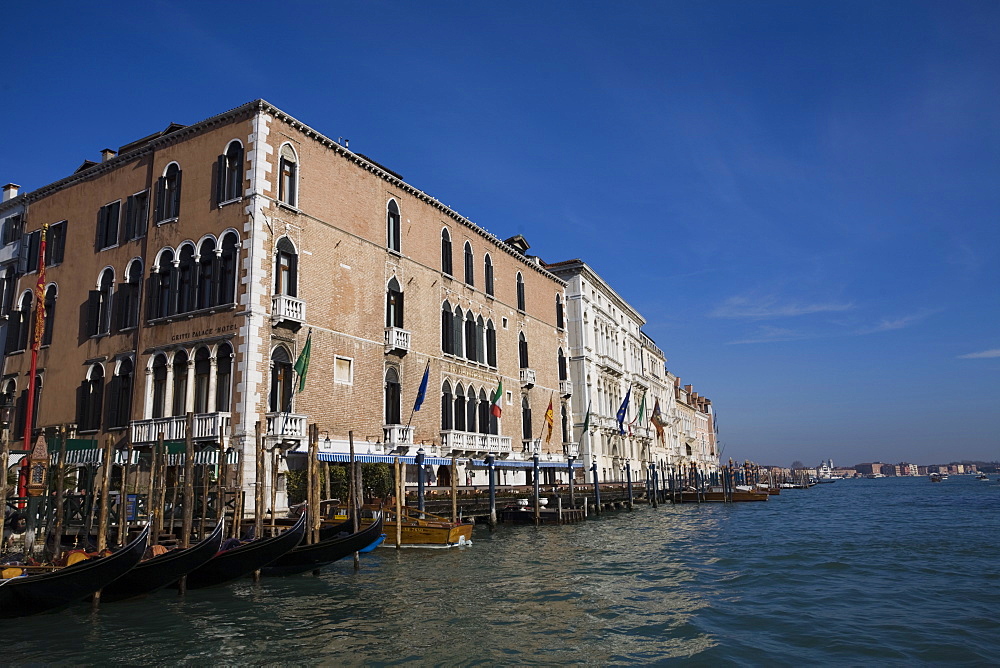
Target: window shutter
x: 22, y: 260
x: 113, y: 401
x: 161, y: 185
x: 220, y: 180
x: 101, y: 218
x: 121, y: 306
x: 93, y: 312
x: 293, y: 275
x: 114, y: 220
x: 175, y: 205
x: 81, y: 405
x: 399, y: 310
x: 58, y: 243
x: 141, y: 214
x: 130, y: 217
x: 173, y: 278
x: 96, y: 403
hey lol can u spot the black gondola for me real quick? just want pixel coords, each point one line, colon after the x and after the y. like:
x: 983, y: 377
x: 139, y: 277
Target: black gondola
x: 158, y: 572
x: 310, y: 557
x: 31, y: 594
x: 245, y: 559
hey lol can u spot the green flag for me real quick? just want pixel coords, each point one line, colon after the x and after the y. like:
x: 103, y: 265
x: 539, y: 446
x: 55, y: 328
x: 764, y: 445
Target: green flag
x: 302, y: 363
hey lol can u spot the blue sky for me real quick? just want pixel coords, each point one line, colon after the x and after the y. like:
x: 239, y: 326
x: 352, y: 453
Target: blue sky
x: 800, y: 197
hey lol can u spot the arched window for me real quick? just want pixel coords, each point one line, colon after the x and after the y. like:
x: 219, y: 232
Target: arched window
x: 470, y: 410
x: 229, y: 173
x: 50, y: 314
x: 393, y: 305
x: 561, y: 361
x: 186, y: 278
x: 227, y: 269
x: 488, y: 274
x: 223, y: 377
x: 458, y: 322
x: 447, y: 329
x: 280, y: 398
x: 392, y: 396
x: 286, y: 262
x: 470, y: 337
x: 89, y: 399
x: 470, y: 270
x: 491, y: 344
x: 202, y: 379
x: 392, y: 226
x: 159, y: 386
x: 484, y: 413
x: 480, y: 340
x: 446, y: 251
x: 526, y: 430
x: 168, y: 194
x: 446, y: 407
x: 99, y: 305
x: 180, y: 371
x: 288, y: 176
x: 127, y: 302
x: 208, y: 261
x: 21, y: 325
x: 459, y: 408
x: 522, y: 351
x: 120, y: 400
x: 520, y: 292
x: 162, y: 286
x: 560, y: 319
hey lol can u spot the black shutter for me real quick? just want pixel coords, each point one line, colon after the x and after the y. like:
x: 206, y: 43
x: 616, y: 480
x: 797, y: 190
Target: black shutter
x: 101, y: 222
x: 399, y: 310
x: 293, y: 275
x: 113, y: 400
x: 161, y: 186
x: 220, y: 180
x: 121, y: 306
x: 141, y: 215
x: 175, y: 206
x: 93, y: 312
x: 130, y: 204
x: 114, y: 222
x: 59, y: 249
x: 81, y: 405
x: 152, y: 296
x: 96, y: 403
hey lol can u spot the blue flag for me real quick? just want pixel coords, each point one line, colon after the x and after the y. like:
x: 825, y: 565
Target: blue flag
x: 422, y: 392
x: 623, y: 411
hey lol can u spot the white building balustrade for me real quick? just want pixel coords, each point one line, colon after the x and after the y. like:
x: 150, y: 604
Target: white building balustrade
x: 397, y: 339
x: 397, y: 435
x: 286, y: 425
x: 288, y: 308
x: 206, y: 427
x: 528, y: 377
x: 464, y: 441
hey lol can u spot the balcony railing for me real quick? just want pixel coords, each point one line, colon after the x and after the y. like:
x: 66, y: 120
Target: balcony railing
x: 288, y: 308
x: 465, y: 441
x: 206, y: 427
x: 566, y: 388
x: 397, y: 435
x: 397, y: 339
x: 528, y: 377
x: 286, y: 425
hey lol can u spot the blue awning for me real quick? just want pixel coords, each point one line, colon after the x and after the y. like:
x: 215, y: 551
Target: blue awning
x: 379, y: 459
x: 517, y: 464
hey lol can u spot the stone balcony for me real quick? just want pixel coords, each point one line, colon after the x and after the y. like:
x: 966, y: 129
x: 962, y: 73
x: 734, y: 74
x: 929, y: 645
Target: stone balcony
x: 288, y: 309
x: 528, y: 377
x: 463, y: 442
x: 397, y: 339
x: 282, y: 426
x: 566, y: 388
x: 205, y: 427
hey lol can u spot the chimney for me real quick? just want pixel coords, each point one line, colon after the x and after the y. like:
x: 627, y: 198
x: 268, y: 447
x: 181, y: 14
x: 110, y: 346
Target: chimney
x: 107, y: 154
x: 10, y: 191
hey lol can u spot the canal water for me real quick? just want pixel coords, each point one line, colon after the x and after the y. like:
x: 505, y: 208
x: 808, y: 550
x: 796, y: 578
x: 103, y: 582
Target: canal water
x: 859, y: 572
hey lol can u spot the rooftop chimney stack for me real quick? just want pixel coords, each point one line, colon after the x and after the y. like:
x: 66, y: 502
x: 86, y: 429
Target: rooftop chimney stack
x: 10, y: 191
x: 107, y: 154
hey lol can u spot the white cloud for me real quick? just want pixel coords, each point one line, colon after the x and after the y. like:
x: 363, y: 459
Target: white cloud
x: 770, y: 307
x: 767, y: 334
x: 981, y: 355
x: 888, y: 325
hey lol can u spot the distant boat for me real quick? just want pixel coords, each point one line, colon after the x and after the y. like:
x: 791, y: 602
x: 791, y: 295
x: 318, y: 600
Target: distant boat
x: 824, y: 474
x: 936, y: 477
x: 982, y: 476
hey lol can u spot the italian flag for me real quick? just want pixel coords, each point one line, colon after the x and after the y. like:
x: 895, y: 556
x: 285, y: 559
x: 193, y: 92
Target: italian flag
x: 497, y: 395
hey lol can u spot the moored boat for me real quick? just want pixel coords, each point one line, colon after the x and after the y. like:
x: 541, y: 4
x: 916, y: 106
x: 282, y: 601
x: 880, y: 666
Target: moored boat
x: 32, y: 594
x: 420, y: 529
x: 162, y: 570
x: 304, y: 557
x: 233, y: 564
